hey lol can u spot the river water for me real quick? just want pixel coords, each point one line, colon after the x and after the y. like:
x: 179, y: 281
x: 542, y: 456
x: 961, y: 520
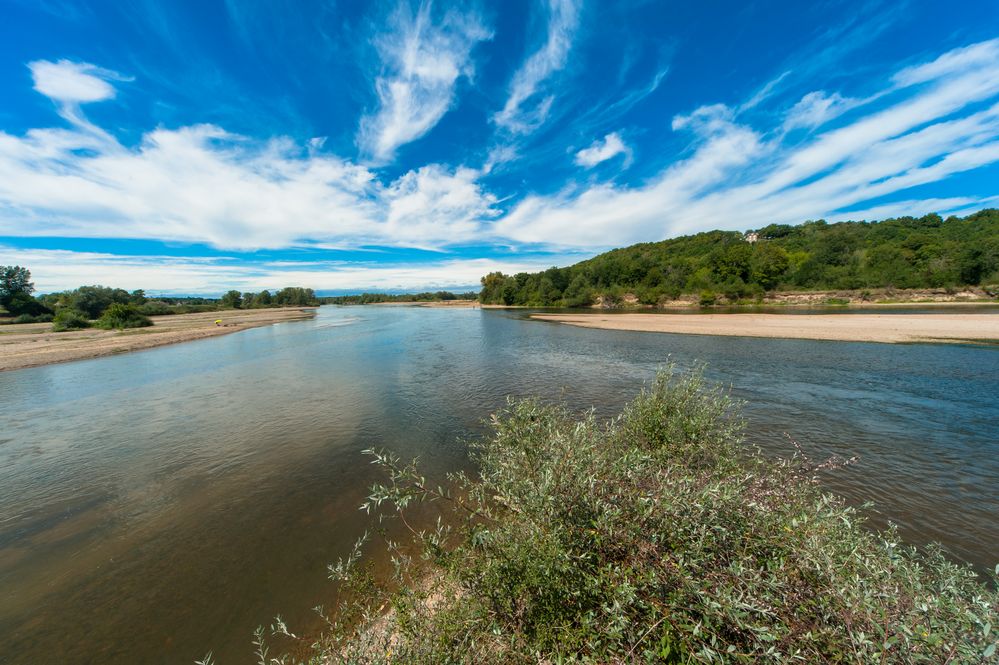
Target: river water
x: 158, y: 505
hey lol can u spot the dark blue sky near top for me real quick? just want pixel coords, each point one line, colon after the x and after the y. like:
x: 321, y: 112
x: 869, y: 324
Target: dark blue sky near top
x: 403, y: 145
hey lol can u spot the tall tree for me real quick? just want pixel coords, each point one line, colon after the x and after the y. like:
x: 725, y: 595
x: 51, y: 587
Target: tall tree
x: 232, y: 299
x: 14, y: 280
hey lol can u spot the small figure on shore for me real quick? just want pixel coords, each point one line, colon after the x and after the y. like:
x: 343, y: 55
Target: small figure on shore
x: 218, y: 322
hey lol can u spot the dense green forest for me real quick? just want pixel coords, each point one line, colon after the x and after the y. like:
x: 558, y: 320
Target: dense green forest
x: 375, y: 298
x: 903, y: 253
x: 109, y: 307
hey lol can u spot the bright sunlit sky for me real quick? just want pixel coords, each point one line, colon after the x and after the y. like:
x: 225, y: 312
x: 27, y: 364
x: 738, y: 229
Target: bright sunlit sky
x: 193, y: 147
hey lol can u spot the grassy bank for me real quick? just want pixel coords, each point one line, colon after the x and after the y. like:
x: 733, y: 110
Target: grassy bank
x: 657, y: 537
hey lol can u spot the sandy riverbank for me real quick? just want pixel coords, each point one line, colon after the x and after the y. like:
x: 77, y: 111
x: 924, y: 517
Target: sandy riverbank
x: 428, y: 303
x: 33, y: 344
x: 890, y: 328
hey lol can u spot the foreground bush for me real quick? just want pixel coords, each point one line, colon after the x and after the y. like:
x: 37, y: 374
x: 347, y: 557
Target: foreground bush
x: 119, y: 316
x: 654, y: 538
x: 69, y: 319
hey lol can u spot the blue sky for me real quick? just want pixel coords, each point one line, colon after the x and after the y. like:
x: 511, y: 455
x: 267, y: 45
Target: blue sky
x: 193, y: 147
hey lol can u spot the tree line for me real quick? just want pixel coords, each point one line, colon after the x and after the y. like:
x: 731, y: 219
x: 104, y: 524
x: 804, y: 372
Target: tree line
x: 374, y: 298
x: 109, y: 307
x: 903, y: 253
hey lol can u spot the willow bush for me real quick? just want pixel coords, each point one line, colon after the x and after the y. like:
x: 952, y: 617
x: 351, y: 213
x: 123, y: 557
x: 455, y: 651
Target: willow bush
x: 118, y: 315
x: 656, y: 537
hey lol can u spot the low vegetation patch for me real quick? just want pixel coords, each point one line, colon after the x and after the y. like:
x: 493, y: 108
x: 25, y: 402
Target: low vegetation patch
x: 121, y: 316
x: 69, y: 319
x: 28, y: 318
x: 656, y: 537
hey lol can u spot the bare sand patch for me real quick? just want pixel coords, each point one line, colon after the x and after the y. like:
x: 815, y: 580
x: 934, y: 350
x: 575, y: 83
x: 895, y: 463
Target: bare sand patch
x: 888, y: 328
x: 33, y: 344
x: 428, y: 303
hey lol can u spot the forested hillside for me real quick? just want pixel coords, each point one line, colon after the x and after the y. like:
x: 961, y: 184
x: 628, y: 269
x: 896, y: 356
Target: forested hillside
x: 903, y: 253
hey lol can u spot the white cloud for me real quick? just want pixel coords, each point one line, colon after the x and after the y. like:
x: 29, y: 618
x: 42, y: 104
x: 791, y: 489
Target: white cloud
x: 602, y: 150
x: 421, y: 201
x: 201, y: 184
x: 57, y: 270
x: 764, y: 93
x: 422, y: 63
x: 817, y: 108
x: 528, y: 82
x: 736, y: 178
x: 194, y: 184
x: 982, y: 55
x: 72, y: 82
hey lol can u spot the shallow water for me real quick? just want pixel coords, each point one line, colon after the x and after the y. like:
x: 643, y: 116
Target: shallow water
x: 158, y: 505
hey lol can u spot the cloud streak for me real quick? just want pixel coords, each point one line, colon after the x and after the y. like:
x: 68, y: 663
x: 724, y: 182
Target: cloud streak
x: 739, y: 177
x: 422, y: 62
x: 528, y: 104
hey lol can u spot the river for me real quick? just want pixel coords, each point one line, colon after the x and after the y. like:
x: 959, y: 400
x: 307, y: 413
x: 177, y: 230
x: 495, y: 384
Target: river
x: 161, y: 504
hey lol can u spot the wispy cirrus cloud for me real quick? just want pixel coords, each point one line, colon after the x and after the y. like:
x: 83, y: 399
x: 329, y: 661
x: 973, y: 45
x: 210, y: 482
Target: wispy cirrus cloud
x: 737, y: 176
x: 422, y: 61
x: 529, y: 102
x: 817, y: 108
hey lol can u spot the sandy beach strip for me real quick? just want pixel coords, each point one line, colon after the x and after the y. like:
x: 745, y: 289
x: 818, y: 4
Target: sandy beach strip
x: 33, y: 344
x: 888, y: 328
x: 435, y: 304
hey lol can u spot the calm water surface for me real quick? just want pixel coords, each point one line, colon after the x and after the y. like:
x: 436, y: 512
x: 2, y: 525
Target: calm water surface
x: 158, y: 505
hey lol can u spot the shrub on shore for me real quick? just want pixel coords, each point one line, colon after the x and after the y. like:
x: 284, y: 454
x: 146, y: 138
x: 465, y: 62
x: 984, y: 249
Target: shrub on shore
x: 654, y: 538
x: 69, y: 319
x: 28, y: 318
x: 156, y: 308
x: 120, y: 316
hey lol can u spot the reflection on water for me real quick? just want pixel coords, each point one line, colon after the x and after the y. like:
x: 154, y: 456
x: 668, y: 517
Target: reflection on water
x: 159, y: 504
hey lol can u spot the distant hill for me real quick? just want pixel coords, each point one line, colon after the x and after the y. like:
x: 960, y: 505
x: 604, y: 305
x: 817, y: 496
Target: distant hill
x: 903, y: 253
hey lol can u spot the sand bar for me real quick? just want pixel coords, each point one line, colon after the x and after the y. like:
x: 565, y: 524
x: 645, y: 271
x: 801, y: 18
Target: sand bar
x: 33, y: 344
x: 436, y: 304
x: 890, y: 328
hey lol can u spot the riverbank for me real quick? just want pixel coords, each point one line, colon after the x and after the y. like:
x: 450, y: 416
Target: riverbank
x: 445, y: 304
x: 886, y: 328
x: 34, y: 344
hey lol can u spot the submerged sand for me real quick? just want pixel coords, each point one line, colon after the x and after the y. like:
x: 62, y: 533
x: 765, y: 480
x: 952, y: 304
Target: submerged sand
x: 33, y: 344
x: 890, y: 328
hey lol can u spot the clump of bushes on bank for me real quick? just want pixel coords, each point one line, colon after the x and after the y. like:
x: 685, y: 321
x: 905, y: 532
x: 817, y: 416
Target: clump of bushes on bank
x: 69, y: 319
x: 654, y: 538
x: 118, y: 316
x: 28, y: 318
